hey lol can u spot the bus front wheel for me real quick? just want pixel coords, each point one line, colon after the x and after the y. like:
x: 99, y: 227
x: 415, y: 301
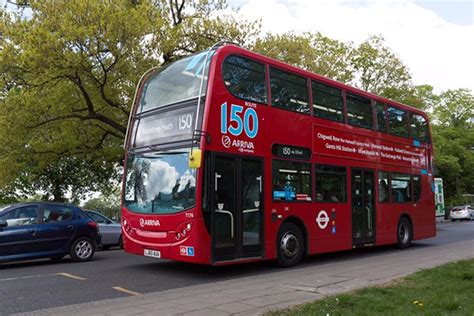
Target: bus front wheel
x: 404, y: 233
x: 290, y: 245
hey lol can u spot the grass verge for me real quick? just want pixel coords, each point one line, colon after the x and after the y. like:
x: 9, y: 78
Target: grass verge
x: 444, y: 290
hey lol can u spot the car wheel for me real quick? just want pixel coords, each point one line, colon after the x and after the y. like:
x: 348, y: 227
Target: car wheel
x: 82, y: 249
x: 290, y: 245
x: 404, y: 233
x: 120, y: 242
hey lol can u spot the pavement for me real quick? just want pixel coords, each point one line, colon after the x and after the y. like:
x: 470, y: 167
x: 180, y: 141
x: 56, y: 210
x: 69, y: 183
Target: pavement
x: 255, y: 295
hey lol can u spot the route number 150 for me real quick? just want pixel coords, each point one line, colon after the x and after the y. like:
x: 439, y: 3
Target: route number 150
x: 240, y: 120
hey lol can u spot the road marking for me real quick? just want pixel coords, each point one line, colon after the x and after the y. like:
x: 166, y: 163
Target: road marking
x: 68, y: 275
x: 27, y: 277
x: 121, y: 289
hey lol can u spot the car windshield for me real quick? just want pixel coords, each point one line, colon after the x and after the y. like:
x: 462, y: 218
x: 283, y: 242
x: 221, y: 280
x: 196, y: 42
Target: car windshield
x: 159, y: 183
x: 179, y: 81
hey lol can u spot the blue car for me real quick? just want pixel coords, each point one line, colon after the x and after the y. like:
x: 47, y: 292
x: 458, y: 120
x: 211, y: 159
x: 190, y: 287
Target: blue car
x: 46, y: 230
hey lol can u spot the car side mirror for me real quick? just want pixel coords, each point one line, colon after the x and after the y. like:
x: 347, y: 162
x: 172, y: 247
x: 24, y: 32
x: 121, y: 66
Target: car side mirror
x: 3, y: 223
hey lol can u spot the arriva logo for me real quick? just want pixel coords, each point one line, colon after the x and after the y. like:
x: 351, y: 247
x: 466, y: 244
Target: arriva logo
x: 149, y: 222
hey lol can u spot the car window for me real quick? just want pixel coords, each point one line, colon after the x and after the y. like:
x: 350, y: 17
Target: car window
x: 97, y: 218
x: 56, y: 213
x: 26, y: 215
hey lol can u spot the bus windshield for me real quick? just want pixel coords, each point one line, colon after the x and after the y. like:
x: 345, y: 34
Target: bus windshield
x: 159, y: 183
x: 179, y: 81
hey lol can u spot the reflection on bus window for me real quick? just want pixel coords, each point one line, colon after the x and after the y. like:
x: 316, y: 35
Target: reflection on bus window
x: 245, y: 78
x: 327, y: 102
x: 291, y: 181
x: 419, y: 128
x: 359, y: 111
x: 160, y: 183
x: 178, y: 82
x: 381, y: 116
x: 330, y: 183
x: 289, y: 91
x: 397, y: 121
x: 400, y: 187
x: 383, y: 186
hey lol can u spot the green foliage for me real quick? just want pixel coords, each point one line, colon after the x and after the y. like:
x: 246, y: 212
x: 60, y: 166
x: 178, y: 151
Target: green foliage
x: 108, y: 204
x: 421, y: 97
x: 67, y: 78
x: 439, y: 291
x: 377, y: 68
x: 313, y: 52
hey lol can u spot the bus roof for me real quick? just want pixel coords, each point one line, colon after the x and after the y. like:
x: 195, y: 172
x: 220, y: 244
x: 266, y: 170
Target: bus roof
x: 234, y: 49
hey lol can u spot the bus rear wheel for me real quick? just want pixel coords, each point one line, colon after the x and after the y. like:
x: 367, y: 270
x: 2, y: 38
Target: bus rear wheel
x: 404, y: 233
x: 290, y: 245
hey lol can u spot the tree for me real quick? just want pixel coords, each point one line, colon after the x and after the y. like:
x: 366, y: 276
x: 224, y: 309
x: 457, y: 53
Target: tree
x: 67, y: 78
x: 453, y: 136
x: 313, y: 52
x: 456, y: 109
x: 421, y: 97
x: 377, y: 68
x: 107, y: 204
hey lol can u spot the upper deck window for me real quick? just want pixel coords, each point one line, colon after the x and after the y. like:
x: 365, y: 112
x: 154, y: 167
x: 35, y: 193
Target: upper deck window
x: 245, y: 78
x: 381, y: 116
x: 327, y: 102
x: 419, y: 128
x: 289, y: 91
x: 177, y: 82
x: 397, y: 121
x: 359, y: 111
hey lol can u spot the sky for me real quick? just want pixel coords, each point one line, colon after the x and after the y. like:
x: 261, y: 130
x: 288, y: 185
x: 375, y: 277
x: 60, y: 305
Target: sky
x: 434, y: 38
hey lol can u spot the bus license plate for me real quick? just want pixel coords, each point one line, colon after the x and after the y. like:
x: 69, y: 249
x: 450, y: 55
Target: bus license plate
x: 152, y: 253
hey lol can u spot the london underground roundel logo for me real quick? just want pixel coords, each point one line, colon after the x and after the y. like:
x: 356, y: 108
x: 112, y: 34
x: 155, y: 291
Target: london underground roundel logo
x: 226, y: 141
x: 323, y: 219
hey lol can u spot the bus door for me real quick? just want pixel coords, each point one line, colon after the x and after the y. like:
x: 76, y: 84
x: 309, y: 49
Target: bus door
x: 363, y: 208
x: 237, y: 208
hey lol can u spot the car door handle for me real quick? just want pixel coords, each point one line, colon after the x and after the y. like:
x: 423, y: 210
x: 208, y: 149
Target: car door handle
x: 32, y: 232
x: 70, y: 227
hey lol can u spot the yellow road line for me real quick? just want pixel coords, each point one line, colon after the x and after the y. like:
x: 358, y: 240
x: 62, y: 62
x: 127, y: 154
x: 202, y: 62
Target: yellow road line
x: 121, y: 289
x: 68, y: 275
x: 27, y: 277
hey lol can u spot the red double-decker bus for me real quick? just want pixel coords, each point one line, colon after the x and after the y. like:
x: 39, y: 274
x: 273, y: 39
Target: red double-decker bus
x: 234, y: 157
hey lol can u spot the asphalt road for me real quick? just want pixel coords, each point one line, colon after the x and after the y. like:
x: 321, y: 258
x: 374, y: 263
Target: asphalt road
x: 28, y: 286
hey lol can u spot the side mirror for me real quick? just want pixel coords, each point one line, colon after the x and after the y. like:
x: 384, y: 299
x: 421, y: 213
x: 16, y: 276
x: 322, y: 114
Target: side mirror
x: 195, y: 158
x: 3, y: 223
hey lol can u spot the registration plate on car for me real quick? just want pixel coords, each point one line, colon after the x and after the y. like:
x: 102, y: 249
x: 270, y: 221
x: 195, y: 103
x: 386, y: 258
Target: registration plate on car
x: 152, y: 253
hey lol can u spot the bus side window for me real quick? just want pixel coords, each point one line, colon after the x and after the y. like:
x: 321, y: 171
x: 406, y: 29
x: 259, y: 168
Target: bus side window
x: 245, y: 78
x: 397, y: 122
x: 381, y: 119
x: 289, y: 91
x: 416, y: 187
x: 383, y: 186
x: 327, y: 102
x: 330, y: 183
x: 359, y: 111
x: 291, y: 181
x: 400, y: 187
x: 419, y: 128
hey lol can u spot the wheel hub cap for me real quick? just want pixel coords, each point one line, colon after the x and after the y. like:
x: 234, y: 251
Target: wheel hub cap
x: 289, y: 245
x: 83, y: 249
